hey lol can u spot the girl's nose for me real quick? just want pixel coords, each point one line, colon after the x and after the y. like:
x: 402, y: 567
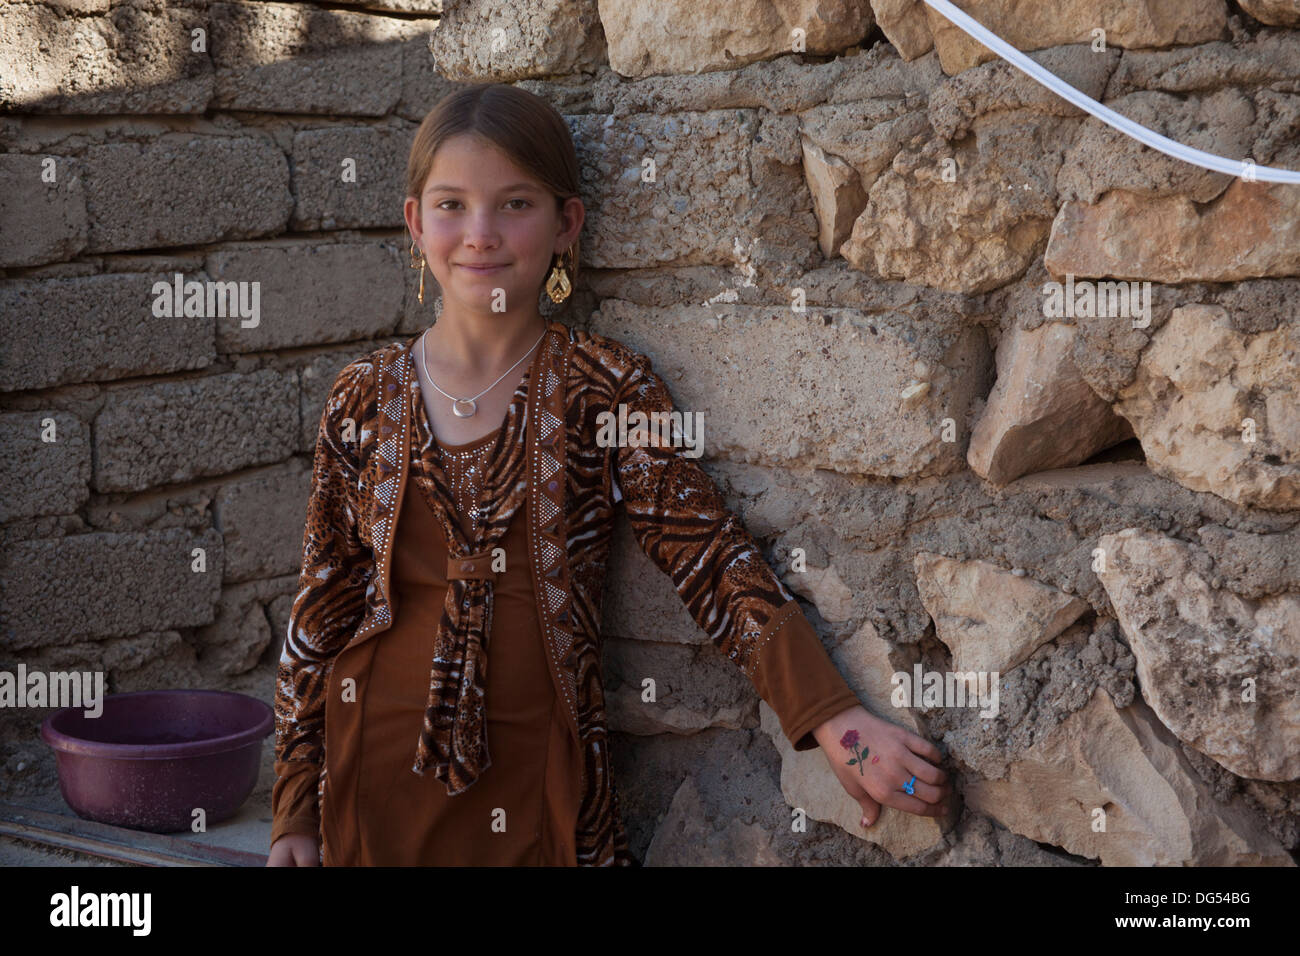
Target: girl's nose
x: 481, y: 230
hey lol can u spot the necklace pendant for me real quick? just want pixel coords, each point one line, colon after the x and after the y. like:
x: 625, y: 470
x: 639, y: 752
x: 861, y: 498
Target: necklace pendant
x: 456, y: 406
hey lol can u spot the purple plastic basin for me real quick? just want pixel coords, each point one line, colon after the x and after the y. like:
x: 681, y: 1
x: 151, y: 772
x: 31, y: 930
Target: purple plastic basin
x: 153, y: 757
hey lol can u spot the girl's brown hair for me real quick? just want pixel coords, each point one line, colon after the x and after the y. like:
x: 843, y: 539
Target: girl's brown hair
x: 522, y: 125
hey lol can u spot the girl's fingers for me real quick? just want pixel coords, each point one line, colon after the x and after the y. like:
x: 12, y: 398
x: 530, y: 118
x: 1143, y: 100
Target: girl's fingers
x: 924, y: 771
x: 870, y: 808
x: 923, y: 793
x: 901, y: 801
x: 922, y: 747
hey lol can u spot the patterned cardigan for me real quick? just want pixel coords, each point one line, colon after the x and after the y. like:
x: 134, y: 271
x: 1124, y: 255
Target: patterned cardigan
x: 677, y: 515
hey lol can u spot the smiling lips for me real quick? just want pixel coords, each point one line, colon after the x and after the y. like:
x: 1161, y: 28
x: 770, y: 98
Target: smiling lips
x: 485, y: 267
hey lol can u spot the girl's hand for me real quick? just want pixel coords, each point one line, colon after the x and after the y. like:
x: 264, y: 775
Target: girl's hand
x: 873, y: 759
x: 295, y: 849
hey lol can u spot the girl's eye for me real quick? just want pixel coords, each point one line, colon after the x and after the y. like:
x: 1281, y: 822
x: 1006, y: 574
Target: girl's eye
x: 443, y: 204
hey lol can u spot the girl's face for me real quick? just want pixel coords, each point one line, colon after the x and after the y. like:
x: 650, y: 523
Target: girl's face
x: 479, y: 209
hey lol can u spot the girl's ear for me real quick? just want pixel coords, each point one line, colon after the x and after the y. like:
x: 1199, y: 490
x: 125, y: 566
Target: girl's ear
x: 411, y: 211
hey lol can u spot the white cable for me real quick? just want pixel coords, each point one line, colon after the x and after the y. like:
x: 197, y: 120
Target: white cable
x: 1243, y: 168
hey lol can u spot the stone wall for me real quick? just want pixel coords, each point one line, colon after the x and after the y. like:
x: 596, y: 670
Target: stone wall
x: 852, y: 218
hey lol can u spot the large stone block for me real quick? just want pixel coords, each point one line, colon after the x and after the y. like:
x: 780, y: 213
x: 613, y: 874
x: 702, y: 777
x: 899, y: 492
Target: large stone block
x: 1219, y: 670
x: 830, y: 389
x: 94, y: 329
x: 989, y: 618
x: 178, y: 431
x: 640, y: 602
x: 184, y: 190
x: 40, y: 221
x: 1041, y: 413
x: 296, y: 58
x: 139, y: 57
x: 682, y: 36
x: 904, y: 24
x: 957, y: 104
x: 239, y: 635
x: 846, y: 146
x: 967, y: 216
x: 1218, y: 410
x: 86, y: 586
x: 262, y: 520
x: 397, y: 6
x: 1122, y: 768
x: 500, y: 40
x: 1251, y: 230
x: 1281, y: 13
x: 311, y: 293
x: 724, y: 186
x: 43, y: 477
x: 350, y: 177
x: 1032, y: 26
x: 151, y: 660
x: 693, y: 833
x: 422, y: 85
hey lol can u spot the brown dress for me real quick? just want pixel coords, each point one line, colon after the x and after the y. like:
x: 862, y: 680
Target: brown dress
x: 523, y: 809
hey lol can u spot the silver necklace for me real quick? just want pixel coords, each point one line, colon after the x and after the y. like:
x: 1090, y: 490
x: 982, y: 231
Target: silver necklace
x: 456, y: 403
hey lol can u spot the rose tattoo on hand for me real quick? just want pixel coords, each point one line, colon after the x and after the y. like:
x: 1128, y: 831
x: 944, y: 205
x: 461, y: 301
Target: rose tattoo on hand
x: 850, y: 742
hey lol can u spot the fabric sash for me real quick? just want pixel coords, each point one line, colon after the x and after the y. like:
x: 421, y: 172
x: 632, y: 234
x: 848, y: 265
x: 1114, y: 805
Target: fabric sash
x: 453, y: 738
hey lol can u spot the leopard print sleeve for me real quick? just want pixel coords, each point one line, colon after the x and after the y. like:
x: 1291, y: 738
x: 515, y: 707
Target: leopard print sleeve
x: 336, y: 569
x: 680, y: 520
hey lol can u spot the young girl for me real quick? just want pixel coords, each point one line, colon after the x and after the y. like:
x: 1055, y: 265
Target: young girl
x: 439, y: 697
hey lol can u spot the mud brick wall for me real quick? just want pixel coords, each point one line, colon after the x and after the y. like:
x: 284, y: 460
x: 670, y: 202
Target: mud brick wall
x: 844, y: 260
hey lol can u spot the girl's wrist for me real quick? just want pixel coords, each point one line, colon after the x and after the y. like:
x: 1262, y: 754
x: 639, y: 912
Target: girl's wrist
x: 829, y: 731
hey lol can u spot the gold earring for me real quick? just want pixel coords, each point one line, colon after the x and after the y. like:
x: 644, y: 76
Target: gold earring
x: 558, y: 286
x: 420, y: 266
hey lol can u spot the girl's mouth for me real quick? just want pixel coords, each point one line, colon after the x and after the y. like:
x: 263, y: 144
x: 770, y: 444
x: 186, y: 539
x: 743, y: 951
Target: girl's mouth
x: 482, y: 270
